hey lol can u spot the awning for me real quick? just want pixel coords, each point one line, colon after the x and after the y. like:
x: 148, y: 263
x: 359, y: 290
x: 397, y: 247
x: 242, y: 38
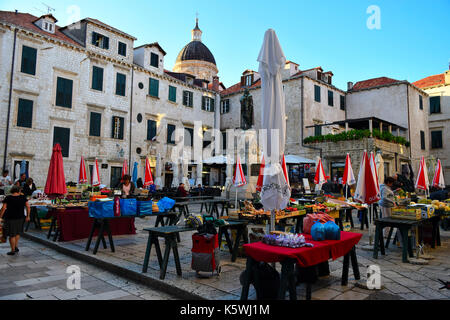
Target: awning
x: 216, y: 160
x: 294, y: 159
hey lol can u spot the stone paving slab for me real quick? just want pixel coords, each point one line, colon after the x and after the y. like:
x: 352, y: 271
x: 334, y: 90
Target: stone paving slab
x: 400, y: 281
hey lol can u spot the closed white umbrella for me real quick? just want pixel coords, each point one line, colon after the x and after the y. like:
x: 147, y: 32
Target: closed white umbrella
x: 380, y: 167
x: 438, y: 180
x: 158, y: 180
x: 275, y: 192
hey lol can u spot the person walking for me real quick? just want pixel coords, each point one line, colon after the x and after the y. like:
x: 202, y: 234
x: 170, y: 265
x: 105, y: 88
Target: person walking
x: 13, y: 218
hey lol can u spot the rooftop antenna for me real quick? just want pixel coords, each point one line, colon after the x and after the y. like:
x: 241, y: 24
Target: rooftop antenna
x: 49, y: 9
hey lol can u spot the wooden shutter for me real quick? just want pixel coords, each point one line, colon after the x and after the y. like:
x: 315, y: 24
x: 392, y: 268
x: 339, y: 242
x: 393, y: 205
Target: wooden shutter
x: 422, y: 140
x: 203, y: 103
x: 151, y: 129
x: 213, y: 105
x: 29, y: 60
x: 97, y: 79
x: 121, y: 80
x: 25, y: 113
x: 94, y: 38
x: 105, y: 42
x: 154, y: 87
x: 95, y: 124
x: 64, y: 89
x: 172, y: 94
x: 62, y: 136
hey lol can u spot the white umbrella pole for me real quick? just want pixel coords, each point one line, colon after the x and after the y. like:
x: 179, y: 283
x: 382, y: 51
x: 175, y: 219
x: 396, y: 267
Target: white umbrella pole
x: 236, y: 202
x: 370, y: 224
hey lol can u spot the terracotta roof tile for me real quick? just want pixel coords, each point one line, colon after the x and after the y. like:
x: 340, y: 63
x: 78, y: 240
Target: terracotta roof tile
x: 26, y: 20
x: 430, y: 81
x: 372, y: 83
x: 237, y: 87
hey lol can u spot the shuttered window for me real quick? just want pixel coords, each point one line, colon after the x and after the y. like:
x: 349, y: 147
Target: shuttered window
x: 100, y: 40
x: 342, y: 103
x: 436, y: 139
x: 422, y: 140
x: 330, y: 98
x: 154, y: 88
x: 29, y: 60
x: 64, y: 89
x: 420, y: 103
x: 25, y: 113
x: 208, y: 104
x: 188, y: 98
x: 122, y: 49
x: 171, y: 134
x: 172, y: 94
x: 95, y: 124
x: 435, y: 104
x: 317, y: 93
x: 154, y: 60
x: 62, y: 136
x: 97, y: 78
x: 151, y: 130
x: 121, y: 84
x: 117, y: 127
x: 188, y: 137
x: 225, y: 108
x: 317, y: 131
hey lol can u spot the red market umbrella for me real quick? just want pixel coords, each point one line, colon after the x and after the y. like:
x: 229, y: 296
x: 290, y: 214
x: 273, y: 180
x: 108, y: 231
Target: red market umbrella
x: 422, y: 181
x: 124, y: 168
x: 239, y: 177
x: 148, y: 174
x: 259, y: 184
x: 366, y: 189
x: 320, y: 177
x: 96, y: 175
x: 349, y: 177
x: 438, y: 180
x: 56, y: 182
x: 285, y: 171
x: 82, y: 177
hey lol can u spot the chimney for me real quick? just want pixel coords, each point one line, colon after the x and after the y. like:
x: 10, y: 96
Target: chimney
x: 349, y: 86
x: 215, y: 84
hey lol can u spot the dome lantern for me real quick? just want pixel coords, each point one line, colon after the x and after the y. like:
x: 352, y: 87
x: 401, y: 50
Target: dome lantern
x: 197, y: 33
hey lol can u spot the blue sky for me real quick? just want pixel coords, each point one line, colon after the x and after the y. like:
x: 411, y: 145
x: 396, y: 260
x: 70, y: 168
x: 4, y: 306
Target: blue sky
x: 413, y: 42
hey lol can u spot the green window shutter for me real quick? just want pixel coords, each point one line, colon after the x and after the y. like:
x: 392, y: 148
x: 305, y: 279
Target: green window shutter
x: 185, y: 98
x: 172, y: 94
x: 170, y: 133
x: 213, y: 105
x: 29, y: 60
x: 62, y: 136
x: 191, y: 99
x: 203, y: 103
x: 97, y: 78
x: 435, y: 104
x: 317, y: 131
x: 422, y: 140
x: 342, y: 103
x: 436, y: 139
x: 95, y: 124
x: 154, y: 60
x: 64, y: 89
x: 151, y: 129
x: 25, y: 113
x: 154, y: 88
x: 330, y: 98
x: 122, y: 49
x: 121, y: 81
x: 317, y: 93
x: 420, y: 103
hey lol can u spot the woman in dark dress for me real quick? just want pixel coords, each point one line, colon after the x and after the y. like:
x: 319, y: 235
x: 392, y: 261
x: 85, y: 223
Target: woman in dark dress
x: 12, y: 215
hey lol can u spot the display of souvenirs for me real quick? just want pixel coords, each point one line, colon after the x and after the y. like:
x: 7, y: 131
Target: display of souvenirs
x: 288, y: 240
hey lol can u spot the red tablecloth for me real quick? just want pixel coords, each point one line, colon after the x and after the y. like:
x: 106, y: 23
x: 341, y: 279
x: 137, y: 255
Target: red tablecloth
x: 306, y: 256
x: 75, y: 224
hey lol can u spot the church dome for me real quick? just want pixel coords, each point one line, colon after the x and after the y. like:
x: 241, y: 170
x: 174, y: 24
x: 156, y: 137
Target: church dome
x: 196, y: 50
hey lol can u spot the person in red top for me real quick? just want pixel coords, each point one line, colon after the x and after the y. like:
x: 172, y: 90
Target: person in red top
x: 181, y: 192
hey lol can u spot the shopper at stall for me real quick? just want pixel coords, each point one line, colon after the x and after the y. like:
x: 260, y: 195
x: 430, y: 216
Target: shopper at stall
x: 387, y: 201
x: 181, y: 191
x: 5, y: 181
x: 29, y: 188
x: 12, y: 215
x: 127, y: 187
x: 22, y: 180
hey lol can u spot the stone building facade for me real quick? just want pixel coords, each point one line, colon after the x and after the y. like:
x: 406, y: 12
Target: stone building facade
x: 438, y: 88
x: 86, y: 87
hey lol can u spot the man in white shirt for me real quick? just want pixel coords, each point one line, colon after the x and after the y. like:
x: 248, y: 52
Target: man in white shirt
x: 5, y: 180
